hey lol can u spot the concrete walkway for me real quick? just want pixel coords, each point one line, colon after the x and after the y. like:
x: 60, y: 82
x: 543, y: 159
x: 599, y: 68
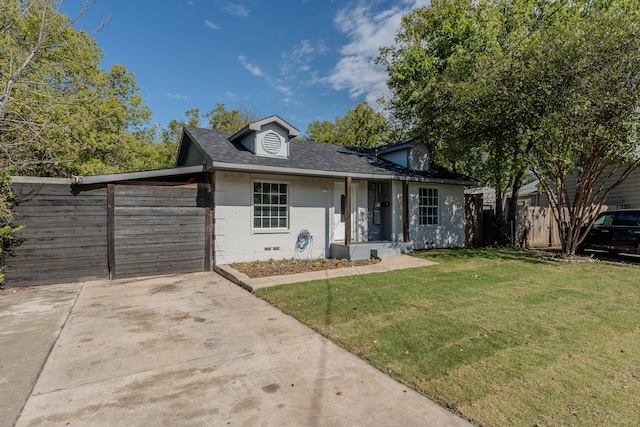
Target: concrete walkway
x: 387, y: 263
x: 31, y: 321
x: 191, y: 350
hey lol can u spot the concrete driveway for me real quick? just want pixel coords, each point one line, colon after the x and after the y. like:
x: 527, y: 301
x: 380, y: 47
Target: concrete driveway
x: 191, y: 350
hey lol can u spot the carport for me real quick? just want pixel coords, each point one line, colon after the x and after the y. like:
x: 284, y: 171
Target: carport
x: 112, y: 226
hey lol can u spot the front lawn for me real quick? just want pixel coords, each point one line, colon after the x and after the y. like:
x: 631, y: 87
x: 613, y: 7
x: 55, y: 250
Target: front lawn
x: 500, y: 337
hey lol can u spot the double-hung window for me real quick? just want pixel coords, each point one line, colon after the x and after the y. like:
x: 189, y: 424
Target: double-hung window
x: 270, y: 205
x: 428, y: 202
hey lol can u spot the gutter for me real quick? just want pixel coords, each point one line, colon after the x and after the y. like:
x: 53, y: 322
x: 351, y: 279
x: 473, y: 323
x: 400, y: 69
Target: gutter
x: 331, y: 174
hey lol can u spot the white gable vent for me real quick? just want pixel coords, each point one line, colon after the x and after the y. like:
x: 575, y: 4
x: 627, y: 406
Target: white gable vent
x: 271, y: 143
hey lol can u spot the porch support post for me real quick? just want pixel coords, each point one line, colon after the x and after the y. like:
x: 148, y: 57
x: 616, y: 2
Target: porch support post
x: 209, y: 224
x: 405, y: 211
x: 111, y: 232
x: 347, y: 210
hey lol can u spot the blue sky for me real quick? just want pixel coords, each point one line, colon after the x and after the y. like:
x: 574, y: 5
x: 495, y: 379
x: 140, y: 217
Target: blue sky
x: 303, y: 60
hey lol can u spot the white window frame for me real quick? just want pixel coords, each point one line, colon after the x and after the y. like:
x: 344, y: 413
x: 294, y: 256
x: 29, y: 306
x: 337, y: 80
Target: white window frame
x: 428, y: 201
x: 279, y: 206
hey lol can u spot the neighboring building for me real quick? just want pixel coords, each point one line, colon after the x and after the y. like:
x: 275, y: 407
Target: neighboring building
x: 269, y: 188
x: 486, y: 194
x: 624, y: 196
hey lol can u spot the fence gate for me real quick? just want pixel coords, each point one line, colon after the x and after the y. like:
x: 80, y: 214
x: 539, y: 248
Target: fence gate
x: 156, y: 229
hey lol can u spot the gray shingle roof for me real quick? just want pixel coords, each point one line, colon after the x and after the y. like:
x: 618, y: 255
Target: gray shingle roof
x: 315, y: 157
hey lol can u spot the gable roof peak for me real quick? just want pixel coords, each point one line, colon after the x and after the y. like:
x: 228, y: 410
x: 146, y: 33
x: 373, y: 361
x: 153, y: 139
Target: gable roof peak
x: 397, y: 146
x: 292, y: 132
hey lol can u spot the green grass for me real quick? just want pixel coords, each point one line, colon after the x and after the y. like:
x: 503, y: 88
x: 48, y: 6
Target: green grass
x: 500, y: 337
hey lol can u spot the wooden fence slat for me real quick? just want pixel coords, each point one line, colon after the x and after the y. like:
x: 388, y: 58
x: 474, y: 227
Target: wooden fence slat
x: 35, y: 210
x: 148, y: 231
x: 157, y: 250
x: 158, y: 258
x: 61, y: 232
x: 159, y: 239
x: 161, y: 211
x: 168, y: 268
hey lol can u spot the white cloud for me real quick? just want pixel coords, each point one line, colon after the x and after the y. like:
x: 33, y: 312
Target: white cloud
x: 211, y: 25
x: 368, y: 29
x: 177, y: 96
x: 234, y: 96
x: 285, y: 90
x: 237, y: 10
x: 253, y: 69
x: 300, y: 52
x: 297, y: 59
x: 274, y: 83
x: 300, y: 57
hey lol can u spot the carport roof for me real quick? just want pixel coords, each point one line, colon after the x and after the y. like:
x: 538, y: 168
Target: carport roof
x: 134, y: 176
x: 308, y: 158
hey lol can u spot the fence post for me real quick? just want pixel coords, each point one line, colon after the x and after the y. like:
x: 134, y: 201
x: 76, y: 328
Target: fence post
x: 111, y: 232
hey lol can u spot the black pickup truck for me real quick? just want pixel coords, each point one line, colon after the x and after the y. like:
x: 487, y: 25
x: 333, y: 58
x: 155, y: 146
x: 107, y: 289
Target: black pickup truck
x: 615, y: 231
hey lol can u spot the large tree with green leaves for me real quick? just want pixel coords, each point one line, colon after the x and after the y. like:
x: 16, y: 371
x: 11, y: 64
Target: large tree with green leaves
x: 586, y: 102
x: 440, y: 71
x: 231, y: 120
x: 361, y: 126
x: 504, y: 87
x: 60, y: 111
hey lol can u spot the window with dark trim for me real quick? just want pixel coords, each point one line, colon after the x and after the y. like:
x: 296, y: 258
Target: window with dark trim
x: 270, y: 205
x: 428, y: 203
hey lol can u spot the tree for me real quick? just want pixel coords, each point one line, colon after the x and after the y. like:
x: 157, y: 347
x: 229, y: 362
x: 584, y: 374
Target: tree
x: 361, y: 126
x: 587, y: 109
x: 230, y: 120
x: 171, y: 135
x: 60, y: 112
x: 545, y: 86
x: 322, y: 131
x: 441, y: 71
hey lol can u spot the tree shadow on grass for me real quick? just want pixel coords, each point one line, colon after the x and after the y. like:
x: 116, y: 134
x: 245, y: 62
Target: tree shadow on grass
x: 460, y: 254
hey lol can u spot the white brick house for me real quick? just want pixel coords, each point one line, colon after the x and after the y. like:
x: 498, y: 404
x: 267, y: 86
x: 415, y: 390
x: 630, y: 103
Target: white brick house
x: 269, y: 188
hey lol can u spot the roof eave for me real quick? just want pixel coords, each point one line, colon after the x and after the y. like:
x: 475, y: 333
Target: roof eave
x: 130, y: 176
x: 238, y: 167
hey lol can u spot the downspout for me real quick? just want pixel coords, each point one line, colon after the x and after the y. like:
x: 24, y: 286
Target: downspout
x: 347, y: 211
x: 405, y: 211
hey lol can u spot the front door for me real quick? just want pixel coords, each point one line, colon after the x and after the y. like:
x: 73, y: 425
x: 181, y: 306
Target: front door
x: 338, y: 212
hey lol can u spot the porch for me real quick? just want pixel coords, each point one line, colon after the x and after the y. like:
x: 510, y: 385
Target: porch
x: 362, y: 250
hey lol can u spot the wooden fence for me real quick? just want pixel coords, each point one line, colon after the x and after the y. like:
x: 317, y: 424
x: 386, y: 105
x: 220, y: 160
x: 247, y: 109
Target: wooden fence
x: 536, y: 227
x: 473, y: 220
x: 109, y: 231
x: 64, y: 239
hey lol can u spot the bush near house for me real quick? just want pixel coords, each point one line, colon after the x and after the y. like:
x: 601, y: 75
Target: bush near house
x: 6, y: 219
x: 500, y: 337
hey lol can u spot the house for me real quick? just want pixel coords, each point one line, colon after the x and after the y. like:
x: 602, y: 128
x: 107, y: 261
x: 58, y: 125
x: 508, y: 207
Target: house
x: 253, y: 195
x: 279, y: 197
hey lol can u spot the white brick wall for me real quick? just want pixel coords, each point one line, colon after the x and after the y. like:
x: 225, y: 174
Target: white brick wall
x: 450, y: 229
x: 309, y: 209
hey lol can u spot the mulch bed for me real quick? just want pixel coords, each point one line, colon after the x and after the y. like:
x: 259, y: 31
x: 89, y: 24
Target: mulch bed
x: 255, y: 269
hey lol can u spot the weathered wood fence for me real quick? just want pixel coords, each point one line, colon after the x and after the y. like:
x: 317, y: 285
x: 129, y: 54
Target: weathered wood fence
x: 75, y: 233
x: 536, y: 227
